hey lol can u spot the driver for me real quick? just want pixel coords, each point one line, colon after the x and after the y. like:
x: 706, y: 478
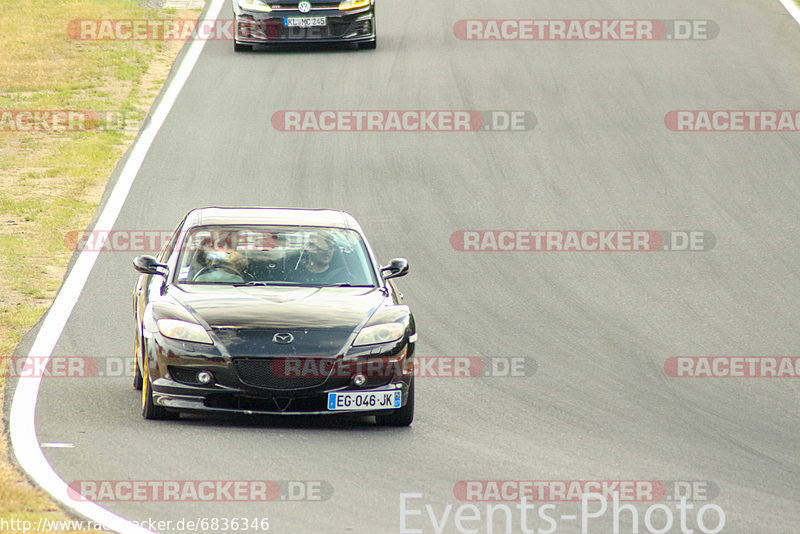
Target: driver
x: 220, y: 261
x: 320, y: 262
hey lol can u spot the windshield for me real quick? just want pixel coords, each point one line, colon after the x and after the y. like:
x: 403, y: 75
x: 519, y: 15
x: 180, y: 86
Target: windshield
x: 275, y: 255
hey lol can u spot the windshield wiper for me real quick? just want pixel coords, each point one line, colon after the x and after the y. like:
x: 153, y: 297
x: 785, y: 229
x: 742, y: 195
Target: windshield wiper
x: 345, y: 284
x: 264, y: 283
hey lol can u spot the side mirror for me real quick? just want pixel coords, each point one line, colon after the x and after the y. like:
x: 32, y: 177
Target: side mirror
x: 149, y: 265
x: 397, y: 267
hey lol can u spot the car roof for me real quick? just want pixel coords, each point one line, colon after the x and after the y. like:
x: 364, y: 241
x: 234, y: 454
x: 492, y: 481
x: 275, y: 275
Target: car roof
x: 271, y: 216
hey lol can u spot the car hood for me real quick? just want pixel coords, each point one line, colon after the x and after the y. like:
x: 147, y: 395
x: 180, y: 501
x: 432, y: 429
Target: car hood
x: 245, y: 320
x: 281, y: 307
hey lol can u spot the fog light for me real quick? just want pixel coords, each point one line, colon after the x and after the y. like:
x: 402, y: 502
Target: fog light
x: 204, y: 377
x: 359, y: 380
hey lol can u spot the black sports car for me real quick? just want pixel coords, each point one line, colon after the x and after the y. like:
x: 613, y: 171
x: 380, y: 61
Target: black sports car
x: 272, y: 311
x: 259, y: 22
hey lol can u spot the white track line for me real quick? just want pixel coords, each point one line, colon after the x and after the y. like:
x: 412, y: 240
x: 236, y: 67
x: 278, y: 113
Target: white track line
x: 23, y: 408
x: 792, y: 8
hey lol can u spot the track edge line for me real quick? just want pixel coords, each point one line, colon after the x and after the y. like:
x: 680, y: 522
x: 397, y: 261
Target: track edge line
x: 21, y: 421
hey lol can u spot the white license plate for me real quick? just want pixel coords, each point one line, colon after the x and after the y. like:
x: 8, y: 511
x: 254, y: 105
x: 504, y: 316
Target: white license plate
x: 365, y: 400
x: 305, y: 22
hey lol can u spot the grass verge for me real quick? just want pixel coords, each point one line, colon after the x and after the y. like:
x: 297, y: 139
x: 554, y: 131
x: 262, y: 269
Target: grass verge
x: 51, y: 180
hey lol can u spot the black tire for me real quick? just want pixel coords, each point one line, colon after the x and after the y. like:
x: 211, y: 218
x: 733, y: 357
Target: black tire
x: 238, y: 47
x: 137, y: 376
x: 137, y: 373
x: 402, y: 417
x: 149, y: 408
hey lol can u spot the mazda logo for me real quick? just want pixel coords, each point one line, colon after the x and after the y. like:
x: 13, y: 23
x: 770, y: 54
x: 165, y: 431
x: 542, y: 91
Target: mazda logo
x: 304, y: 7
x: 283, y: 339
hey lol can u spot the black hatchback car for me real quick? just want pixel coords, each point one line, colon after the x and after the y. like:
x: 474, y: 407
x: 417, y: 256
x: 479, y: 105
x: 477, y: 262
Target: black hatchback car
x: 272, y: 311
x: 259, y: 22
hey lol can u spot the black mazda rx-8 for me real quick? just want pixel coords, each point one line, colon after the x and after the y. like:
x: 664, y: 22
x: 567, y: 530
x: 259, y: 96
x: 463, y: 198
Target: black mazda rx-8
x: 272, y: 311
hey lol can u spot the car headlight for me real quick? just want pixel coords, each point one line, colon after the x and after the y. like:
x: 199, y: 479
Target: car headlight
x: 254, y: 5
x: 353, y: 4
x: 184, y: 331
x: 380, y: 333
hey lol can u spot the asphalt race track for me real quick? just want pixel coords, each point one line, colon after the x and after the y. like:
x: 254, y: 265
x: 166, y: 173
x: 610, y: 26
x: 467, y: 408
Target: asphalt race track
x: 594, y: 402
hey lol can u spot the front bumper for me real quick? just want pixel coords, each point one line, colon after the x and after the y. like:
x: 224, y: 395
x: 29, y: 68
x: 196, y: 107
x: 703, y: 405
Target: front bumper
x: 269, y: 384
x: 177, y: 397
x: 255, y: 28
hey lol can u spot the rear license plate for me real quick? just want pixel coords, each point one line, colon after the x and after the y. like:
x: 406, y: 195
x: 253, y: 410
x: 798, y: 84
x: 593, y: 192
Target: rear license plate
x: 304, y: 22
x: 365, y: 400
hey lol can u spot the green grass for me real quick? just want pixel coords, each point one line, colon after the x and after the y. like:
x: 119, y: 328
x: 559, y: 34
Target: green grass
x: 51, y: 182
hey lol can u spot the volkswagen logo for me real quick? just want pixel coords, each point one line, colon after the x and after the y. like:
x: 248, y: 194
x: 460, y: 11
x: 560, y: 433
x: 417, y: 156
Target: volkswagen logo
x: 304, y: 7
x: 283, y: 338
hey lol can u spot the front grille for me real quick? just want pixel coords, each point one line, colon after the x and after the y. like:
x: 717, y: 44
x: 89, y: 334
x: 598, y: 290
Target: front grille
x: 308, y: 342
x: 267, y: 405
x: 314, y: 7
x: 273, y: 373
x: 272, y: 29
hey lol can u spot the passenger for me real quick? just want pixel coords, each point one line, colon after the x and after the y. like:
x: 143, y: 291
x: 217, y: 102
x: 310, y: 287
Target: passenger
x: 321, y: 261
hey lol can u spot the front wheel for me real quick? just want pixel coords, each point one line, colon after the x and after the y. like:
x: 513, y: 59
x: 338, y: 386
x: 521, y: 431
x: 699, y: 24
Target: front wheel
x: 149, y: 408
x: 402, y: 417
x: 137, y: 376
x: 137, y: 373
